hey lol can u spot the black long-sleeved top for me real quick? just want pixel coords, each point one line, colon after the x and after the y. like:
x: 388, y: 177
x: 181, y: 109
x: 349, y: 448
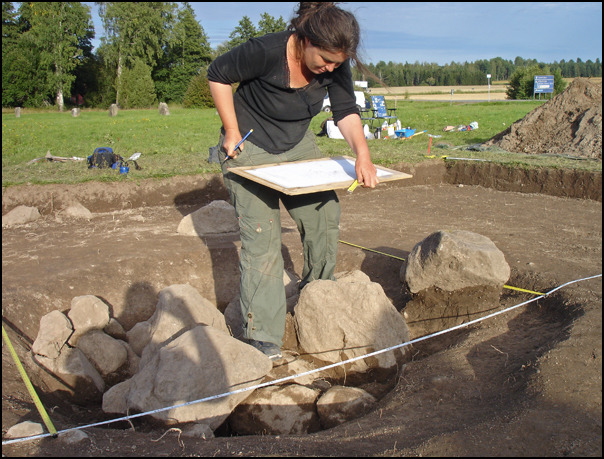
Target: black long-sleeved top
x: 264, y: 101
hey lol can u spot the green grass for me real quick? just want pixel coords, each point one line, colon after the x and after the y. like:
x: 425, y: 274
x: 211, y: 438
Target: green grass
x: 178, y: 144
x: 170, y: 145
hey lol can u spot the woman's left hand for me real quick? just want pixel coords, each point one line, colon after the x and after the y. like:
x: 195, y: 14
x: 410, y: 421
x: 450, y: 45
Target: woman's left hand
x: 352, y: 130
x: 366, y: 172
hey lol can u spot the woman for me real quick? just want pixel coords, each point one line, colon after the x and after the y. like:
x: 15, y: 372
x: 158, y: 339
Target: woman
x: 283, y: 78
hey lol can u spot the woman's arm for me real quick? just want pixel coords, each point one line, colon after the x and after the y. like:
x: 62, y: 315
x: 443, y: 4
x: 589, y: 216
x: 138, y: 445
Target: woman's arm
x: 223, y: 99
x: 352, y: 130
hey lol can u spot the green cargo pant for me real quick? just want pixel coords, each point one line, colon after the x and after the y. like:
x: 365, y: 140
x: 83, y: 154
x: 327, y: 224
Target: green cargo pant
x: 317, y: 216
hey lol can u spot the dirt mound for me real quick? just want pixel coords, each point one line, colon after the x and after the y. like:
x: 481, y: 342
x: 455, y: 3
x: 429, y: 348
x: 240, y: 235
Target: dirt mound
x: 569, y: 124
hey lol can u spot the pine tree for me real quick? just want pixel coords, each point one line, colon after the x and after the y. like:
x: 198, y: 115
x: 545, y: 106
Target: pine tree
x: 188, y: 51
x: 198, y: 93
x: 137, y: 89
x: 242, y: 33
x: 268, y: 24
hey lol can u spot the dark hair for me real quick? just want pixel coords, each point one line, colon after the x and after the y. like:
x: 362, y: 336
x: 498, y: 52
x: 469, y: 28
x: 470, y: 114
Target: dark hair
x: 327, y: 26
x: 331, y: 28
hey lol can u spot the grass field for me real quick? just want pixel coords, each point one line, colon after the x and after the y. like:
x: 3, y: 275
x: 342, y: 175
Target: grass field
x: 178, y: 144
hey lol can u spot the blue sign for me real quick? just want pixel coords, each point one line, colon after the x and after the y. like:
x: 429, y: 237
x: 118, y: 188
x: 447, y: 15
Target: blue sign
x: 543, y: 83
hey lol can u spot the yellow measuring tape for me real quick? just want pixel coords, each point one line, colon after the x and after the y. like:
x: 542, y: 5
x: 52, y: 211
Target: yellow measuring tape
x: 28, y: 384
x: 371, y: 250
x: 402, y: 259
x: 522, y: 290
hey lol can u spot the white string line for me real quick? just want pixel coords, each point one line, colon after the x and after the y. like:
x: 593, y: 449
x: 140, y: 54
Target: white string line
x: 316, y: 370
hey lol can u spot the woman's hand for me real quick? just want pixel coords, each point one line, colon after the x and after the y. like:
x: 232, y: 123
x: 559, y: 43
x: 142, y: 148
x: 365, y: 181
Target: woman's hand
x: 223, y: 99
x: 366, y: 172
x: 232, y: 138
x: 352, y: 130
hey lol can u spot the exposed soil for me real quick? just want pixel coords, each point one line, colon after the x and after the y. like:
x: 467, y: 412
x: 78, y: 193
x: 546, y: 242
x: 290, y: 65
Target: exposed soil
x: 527, y: 382
x: 569, y: 124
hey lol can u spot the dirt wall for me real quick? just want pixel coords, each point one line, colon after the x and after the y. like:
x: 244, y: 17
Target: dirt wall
x: 199, y: 191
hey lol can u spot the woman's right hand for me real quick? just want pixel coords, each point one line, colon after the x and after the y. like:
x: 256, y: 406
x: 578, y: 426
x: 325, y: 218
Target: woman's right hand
x: 232, y: 138
x: 223, y: 99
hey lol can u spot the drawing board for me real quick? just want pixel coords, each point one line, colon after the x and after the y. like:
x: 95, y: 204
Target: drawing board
x: 301, y: 177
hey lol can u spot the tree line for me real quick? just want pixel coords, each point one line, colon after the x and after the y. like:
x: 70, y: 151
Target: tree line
x: 475, y: 73
x: 158, y: 51
x: 150, y: 52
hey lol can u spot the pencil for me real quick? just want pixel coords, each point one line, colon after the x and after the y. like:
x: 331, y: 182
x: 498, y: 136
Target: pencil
x: 240, y: 142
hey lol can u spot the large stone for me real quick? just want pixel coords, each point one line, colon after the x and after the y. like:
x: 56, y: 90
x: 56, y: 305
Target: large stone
x: 87, y: 312
x: 133, y: 359
x: 199, y: 363
x: 115, y: 400
x: 454, y: 277
x: 347, y: 318
x: 75, y: 376
x: 55, y: 330
x: 277, y: 410
x: 453, y: 260
x: 139, y: 336
x: 20, y: 215
x: 77, y: 210
x: 218, y: 217
x: 115, y: 329
x: 163, y: 108
x: 291, y: 365
x: 25, y: 429
x: 180, y: 307
x: 340, y: 404
x: 104, y: 352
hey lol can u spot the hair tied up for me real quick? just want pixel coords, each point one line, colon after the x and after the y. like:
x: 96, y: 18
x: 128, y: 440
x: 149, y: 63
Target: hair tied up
x: 327, y: 26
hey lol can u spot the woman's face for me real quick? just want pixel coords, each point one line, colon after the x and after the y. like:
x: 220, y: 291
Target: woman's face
x: 319, y: 60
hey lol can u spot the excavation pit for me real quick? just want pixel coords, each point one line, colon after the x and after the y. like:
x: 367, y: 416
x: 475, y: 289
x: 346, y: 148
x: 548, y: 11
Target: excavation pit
x: 127, y: 256
x: 498, y: 358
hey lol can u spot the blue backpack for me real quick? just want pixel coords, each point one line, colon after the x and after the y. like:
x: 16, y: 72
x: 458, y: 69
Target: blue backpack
x: 103, y: 157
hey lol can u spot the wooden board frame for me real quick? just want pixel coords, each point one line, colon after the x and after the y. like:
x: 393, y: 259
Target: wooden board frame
x: 339, y: 173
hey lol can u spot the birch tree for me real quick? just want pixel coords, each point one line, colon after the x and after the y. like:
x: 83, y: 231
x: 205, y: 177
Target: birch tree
x: 60, y: 31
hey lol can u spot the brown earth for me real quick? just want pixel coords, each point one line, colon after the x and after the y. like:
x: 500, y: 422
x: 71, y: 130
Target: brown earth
x: 569, y: 124
x: 525, y: 383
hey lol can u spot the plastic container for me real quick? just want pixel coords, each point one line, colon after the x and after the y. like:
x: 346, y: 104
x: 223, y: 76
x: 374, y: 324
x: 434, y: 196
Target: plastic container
x: 402, y: 133
x: 124, y: 169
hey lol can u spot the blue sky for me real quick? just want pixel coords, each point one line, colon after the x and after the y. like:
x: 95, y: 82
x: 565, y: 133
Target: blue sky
x: 440, y: 32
